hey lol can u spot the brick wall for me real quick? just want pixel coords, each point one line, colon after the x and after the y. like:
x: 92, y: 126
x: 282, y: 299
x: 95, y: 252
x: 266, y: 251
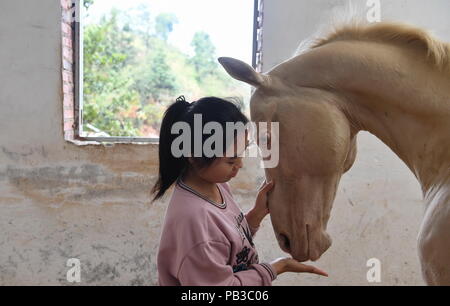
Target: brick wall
x: 68, y: 89
x: 259, y: 35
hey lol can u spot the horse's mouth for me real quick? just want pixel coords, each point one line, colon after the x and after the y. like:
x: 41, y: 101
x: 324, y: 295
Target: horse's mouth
x: 284, y: 243
x: 311, y: 251
x: 308, y: 246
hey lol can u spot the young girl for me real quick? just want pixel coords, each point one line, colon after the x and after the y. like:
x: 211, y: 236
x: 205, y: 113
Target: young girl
x: 206, y: 239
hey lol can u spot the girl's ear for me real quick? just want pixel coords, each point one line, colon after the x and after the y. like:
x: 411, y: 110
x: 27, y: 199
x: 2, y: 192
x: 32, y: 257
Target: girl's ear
x: 243, y: 72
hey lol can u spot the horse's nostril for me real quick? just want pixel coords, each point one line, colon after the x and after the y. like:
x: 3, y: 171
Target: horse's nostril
x: 285, y: 241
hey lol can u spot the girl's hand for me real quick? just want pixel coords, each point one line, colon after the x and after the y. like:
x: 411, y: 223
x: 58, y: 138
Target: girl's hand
x: 286, y: 264
x: 261, y: 209
x: 261, y: 204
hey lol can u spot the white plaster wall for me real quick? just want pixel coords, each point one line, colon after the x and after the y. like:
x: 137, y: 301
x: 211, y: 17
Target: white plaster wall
x: 288, y: 22
x: 59, y: 201
x: 378, y: 209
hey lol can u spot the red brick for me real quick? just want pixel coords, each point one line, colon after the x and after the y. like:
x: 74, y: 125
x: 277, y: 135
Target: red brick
x: 69, y: 97
x: 69, y: 135
x: 67, y: 16
x: 66, y: 4
x: 67, y: 42
x: 68, y: 54
x: 68, y: 68
x: 68, y: 77
x: 69, y: 124
x: 67, y: 89
x: 69, y: 114
x: 68, y: 106
x: 68, y: 101
x: 67, y: 65
x: 66, y: 29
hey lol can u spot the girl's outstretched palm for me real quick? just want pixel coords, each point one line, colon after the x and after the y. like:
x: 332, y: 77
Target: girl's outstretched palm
x: 286, y: 264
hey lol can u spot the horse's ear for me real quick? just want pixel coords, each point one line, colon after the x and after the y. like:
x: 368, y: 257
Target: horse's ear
x: 243, y: 72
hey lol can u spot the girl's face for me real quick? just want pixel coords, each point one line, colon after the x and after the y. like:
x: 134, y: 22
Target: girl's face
x: 224, y: 168
x: 221, y: 170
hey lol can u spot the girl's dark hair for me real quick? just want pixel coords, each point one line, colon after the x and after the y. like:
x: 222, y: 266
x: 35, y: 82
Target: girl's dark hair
x: 212, y: 109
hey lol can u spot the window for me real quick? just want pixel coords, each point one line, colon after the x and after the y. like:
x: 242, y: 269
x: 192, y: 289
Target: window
x: 134, y: 57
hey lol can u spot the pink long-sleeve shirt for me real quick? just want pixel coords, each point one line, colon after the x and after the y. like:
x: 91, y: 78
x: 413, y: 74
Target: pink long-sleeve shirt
x: 208, y: 244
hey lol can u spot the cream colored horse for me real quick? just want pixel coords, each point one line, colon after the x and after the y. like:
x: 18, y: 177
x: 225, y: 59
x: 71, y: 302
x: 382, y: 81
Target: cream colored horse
x: 388, y: 79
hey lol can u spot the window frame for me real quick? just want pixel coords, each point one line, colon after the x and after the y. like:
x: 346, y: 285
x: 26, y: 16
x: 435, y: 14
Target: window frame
x: 77, y: 43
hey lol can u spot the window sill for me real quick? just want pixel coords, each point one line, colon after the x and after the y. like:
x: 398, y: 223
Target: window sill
x: 111, y: 141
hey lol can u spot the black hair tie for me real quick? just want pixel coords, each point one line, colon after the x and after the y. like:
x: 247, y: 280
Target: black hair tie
x: 181, y: 99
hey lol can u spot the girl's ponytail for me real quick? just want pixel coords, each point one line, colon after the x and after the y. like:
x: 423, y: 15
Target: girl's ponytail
x: 170, y: 167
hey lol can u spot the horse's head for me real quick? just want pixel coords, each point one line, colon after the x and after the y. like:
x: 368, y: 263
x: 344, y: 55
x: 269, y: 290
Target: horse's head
x: 316, y: 147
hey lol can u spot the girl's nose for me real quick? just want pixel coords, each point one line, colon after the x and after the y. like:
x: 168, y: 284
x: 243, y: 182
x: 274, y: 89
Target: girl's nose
x: 239, y: 165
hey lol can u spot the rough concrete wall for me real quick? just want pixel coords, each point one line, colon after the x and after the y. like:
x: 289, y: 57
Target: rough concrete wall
x: 61, y: 201
x: 287, y: 23
x: 58, y: 200
x: 85, y: 203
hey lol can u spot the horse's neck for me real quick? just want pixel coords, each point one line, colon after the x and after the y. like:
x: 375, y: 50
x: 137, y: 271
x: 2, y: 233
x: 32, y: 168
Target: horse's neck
x: 407, y: 107
x: 393, y: 94
x: 421, y: 142
x: 439, y: 193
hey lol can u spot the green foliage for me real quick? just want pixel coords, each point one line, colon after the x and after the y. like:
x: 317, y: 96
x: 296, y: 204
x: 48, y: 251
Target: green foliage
x: 164, y: 25
x: 204, y: 60
x: 88, y: 3
x: 153, y: 79
x: 132, y: 73
x: 108, y: 59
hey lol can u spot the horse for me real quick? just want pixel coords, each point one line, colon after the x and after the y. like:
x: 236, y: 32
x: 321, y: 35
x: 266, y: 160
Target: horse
x: 389, y: 79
